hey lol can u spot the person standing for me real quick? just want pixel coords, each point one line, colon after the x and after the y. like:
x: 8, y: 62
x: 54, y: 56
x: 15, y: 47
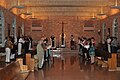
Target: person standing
x: 109, y: 44
x: 20, y: 44
x: 80, y: 45
x: 52, y: 41
x: 85, y: 48
x: 39, y: 57
x: 72, y: 43
x: 30, y: 42
x: 114, y: 45
x: 9, y: 46
x: 92, y: 51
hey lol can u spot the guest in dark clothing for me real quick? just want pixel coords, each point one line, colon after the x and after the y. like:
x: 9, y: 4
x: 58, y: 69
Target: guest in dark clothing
x: 114, y: 45
x: 53, y: 41
x: 30, y: 42
x: 72, y: 43
x: 80, y: 45
x: 26, y: 47
x: 85, y: 48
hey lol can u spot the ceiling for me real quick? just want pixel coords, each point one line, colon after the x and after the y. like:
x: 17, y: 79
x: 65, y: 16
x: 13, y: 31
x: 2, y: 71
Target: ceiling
x: 81, y: 8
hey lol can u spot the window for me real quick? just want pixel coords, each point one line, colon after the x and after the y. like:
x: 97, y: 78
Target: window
x: 115, y: 28
x: 37, y: 25
x: 1, y: 27
x: 14, y: 29
x: 89, y: 25
x: 104, y: 33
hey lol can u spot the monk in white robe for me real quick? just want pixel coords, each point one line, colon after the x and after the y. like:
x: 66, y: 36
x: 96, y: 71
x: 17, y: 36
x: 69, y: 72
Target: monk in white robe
x: 109, y: 44
x: 20, y: 43
x: 9, y: 46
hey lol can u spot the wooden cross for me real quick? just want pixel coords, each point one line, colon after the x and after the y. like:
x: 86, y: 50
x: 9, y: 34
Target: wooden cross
x: 62, y: 35
x: 63, y: 26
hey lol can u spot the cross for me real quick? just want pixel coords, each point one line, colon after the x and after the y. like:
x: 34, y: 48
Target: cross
x: 62, y: 35
x: 63, y: 26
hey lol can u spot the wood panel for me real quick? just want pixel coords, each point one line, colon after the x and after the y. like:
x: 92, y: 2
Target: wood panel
x: 118, y: 60
x: 112, y: 62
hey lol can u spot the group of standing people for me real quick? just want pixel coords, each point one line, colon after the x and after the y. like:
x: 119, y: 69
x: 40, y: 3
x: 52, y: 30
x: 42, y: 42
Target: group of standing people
x: 24, y: 44
x: 112, y: 44
x: 43, y: 52
x: 87, y: 48
x: 21, y: 46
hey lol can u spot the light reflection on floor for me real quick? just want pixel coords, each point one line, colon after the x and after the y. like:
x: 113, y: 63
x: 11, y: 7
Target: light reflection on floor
x: 72, y: 67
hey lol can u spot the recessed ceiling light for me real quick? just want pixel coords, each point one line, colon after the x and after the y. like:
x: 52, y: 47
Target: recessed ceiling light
x: 27, y: 13
x: 116, y: 5
x: 19, y: 7
x: 33, y: 18
x: 93, y: 18
x: 101, y: 14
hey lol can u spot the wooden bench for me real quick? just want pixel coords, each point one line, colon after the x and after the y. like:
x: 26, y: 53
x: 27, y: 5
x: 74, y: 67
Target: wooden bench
x: 16, y: 70
x: 12, y: 72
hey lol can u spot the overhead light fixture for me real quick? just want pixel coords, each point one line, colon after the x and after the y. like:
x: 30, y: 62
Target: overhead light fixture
x: 116, y: 5
x: 93, y: 17
x: 27, y: 12
x: 101, y: 12
x: 18, y: 6
x: 33, y: 17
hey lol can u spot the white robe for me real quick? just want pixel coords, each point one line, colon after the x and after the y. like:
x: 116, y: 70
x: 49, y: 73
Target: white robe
x: 39, y: 56
x: 108, y: 45
x: 7, y: 50
x: 30, y: 45
x: 20, y: 46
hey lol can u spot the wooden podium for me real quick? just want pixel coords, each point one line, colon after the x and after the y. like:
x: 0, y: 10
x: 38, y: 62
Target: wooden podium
x: 30, y: 62
x: 112, y: 62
